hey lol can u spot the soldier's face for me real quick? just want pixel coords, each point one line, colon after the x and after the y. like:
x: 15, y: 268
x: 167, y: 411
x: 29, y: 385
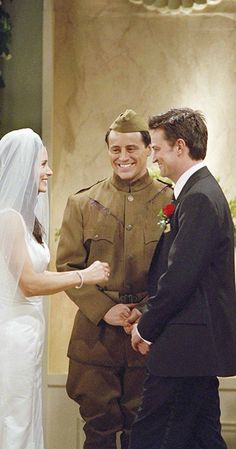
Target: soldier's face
x: 128, y: 155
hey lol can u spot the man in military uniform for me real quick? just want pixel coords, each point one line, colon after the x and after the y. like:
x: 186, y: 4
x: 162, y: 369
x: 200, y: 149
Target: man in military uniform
x: 115, y: 220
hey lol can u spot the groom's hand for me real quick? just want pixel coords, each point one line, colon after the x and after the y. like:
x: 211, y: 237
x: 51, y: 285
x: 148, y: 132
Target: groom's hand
x: 138, y: 344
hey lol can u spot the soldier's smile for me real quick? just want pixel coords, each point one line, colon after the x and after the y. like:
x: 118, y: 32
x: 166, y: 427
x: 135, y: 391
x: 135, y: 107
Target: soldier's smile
x: 127, y: 169
x: 125, y: 165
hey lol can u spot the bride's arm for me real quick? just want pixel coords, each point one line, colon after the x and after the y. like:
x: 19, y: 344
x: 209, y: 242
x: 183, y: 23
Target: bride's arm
x: 50, y: 282
x: 14, y: 251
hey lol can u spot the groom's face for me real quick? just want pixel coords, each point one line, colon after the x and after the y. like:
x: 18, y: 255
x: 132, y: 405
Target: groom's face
x: 165, y: 154
x: 128, y: 154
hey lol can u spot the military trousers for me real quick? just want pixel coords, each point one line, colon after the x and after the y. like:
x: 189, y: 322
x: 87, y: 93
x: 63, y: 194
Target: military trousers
x: 108, y: 398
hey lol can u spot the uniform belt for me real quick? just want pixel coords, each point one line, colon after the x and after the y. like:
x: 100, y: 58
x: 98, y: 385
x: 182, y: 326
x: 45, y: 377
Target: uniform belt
x: 124, y: 298
x: 129, y: 298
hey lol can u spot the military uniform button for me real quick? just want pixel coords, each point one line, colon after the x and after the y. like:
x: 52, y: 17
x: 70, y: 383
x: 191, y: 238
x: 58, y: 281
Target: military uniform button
x: 96, y: 236
x: 130, y: 198
x: 129, y: 227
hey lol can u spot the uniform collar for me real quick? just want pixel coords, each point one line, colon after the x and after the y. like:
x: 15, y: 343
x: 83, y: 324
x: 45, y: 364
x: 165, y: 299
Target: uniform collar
x: 135, y: 186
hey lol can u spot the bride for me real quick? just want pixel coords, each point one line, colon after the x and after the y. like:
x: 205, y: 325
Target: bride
x: 24, y: 256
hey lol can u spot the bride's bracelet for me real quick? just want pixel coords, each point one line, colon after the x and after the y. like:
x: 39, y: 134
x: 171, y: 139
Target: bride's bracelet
x: 79, y: 274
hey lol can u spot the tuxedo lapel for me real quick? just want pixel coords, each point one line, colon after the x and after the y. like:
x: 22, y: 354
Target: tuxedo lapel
x: 200, y: 174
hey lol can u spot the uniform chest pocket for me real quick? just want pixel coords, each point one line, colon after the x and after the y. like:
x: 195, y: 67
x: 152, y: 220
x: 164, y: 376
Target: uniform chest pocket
x: 99, y: 234
x: 99, y: 243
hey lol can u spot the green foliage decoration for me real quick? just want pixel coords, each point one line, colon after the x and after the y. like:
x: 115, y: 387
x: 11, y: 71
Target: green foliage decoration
x: 5, y: 36
x: 154, y: 172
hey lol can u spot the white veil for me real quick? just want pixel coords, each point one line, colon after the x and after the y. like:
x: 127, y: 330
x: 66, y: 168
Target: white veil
x: 20, y: 155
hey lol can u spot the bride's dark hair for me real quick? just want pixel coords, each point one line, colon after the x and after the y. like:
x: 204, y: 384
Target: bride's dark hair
x: 38, y: 231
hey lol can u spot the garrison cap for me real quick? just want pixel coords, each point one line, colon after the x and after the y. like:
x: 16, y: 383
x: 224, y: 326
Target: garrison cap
x: 129, y: 122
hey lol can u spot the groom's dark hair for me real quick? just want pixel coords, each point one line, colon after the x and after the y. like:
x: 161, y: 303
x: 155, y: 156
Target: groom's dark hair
x: 186, y: 124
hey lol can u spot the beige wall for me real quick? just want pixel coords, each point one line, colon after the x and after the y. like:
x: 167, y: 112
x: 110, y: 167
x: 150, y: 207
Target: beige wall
x: 111, y: 55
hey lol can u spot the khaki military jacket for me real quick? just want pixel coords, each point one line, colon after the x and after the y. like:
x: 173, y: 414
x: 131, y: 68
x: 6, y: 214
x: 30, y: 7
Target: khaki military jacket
x: 115, y: 222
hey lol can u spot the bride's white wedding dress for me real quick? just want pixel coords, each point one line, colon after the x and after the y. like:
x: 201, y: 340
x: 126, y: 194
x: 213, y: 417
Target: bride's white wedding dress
x: 21, y: 347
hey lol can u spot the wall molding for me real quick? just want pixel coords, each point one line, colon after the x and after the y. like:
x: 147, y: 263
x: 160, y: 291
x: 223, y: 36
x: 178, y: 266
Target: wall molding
x: 56, y: 380
x: 59, y: 379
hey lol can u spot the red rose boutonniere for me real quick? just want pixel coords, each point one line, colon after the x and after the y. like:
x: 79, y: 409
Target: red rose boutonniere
x: 165, y: 215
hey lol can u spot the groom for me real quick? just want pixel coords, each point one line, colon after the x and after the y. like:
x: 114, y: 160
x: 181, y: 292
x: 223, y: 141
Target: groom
x: 189, y: 329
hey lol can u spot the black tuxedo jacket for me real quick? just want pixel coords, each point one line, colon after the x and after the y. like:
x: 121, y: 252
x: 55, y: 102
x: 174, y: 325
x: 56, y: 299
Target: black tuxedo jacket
x: 191, y: 317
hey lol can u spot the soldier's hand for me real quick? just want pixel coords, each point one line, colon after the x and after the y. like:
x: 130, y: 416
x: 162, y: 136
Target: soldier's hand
x: 117, y: 315
x: 97, y: 272
x: 133, y: 319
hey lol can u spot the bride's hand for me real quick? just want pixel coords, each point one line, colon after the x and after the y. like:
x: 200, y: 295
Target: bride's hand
x: 96, y: 273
